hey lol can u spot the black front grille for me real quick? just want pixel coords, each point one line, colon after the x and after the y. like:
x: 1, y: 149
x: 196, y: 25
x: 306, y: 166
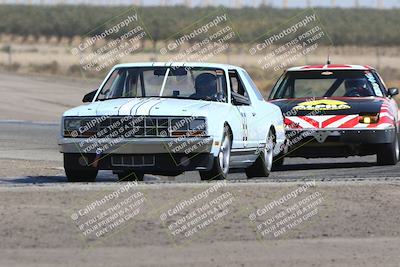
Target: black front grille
x: 133, y: 126
x: 132, y: 160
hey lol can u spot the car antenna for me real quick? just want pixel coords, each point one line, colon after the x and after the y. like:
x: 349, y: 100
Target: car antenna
x: 328, y: 62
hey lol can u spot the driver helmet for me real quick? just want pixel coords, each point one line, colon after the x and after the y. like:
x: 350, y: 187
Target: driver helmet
x: 358, y: 85
x: 206, y: 85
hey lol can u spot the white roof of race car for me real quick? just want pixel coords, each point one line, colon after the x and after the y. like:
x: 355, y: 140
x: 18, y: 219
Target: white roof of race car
x: 331, y: 67
x: 177, y: 64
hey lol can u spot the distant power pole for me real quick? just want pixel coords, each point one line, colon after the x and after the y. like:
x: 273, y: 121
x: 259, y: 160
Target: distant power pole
x: 137, y: 2
x: 238, y: 3
x: 333, y: 3
x: 163, y: 2
x: 206, y: 3
x: 357, y: 3
x: 285, y: 3
x: 381, y: 4
x: 265, y: 2
x: 188, y: 3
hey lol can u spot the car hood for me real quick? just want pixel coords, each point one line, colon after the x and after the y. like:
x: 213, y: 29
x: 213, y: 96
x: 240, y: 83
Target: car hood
x: 329, y: 106
x: 145, y: 106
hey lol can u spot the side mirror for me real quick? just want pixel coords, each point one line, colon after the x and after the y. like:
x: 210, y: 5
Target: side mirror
x: 393, y: 91
x: 239, y: 100
x: 89, y: 97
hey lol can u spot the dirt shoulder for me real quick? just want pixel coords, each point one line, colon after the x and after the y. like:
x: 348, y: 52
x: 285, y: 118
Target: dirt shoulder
x: 356, y: 225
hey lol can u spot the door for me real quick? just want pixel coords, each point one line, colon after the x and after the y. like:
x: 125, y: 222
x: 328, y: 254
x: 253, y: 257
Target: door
x: 245, y: 112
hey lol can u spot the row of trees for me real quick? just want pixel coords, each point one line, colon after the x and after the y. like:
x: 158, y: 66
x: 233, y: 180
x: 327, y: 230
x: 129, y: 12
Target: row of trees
x: 344, y: 26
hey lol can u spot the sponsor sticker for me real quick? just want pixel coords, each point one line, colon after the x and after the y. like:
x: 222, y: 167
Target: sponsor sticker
x: 374, y: 83
x: 323, y: 104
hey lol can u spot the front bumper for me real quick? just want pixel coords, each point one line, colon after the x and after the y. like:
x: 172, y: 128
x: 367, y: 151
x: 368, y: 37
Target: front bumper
x: 186, y: 145
x: 337, y: 142
x: 165, y: 164
x: 150, y: 155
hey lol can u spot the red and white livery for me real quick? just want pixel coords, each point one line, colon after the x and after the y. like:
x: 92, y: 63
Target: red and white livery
x: 338, y: 111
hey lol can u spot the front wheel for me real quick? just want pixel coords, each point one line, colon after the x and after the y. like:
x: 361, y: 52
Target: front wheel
x: 278, y: 162
x: 76, y: 171
x: 220, y: 168
x: 263, y: 165
x: 388, y: 154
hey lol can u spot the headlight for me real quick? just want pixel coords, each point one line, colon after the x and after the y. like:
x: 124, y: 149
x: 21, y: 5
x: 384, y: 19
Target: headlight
x: 188, y: 127
x: 179, y: 124
x: 198, y: 124
x: 369, y: 118
x: 72, y: 124
x: 71, y: 127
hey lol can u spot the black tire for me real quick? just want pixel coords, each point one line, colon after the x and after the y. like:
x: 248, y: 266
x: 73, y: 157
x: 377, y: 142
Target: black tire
x: 263, y: 165
x: 84, y: 176
x: 76, y: 171
x: 214, y: 174
x: 220, y: 168
x: 388, y: 154
x: 278, y: 162
x: 128, y: 176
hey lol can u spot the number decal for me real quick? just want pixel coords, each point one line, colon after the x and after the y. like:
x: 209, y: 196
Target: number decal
x: 245, y: 130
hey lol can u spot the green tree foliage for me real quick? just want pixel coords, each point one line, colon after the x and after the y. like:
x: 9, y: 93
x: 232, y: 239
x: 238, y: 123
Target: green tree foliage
x: 345, y: 26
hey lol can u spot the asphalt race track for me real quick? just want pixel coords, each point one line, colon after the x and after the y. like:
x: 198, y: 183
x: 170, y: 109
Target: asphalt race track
x: 38, y: 142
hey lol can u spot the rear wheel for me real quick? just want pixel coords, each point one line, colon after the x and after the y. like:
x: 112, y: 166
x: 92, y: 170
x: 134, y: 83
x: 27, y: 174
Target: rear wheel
x: 388, y: 154
x: 74, y: 176
x: 220, y: 166
x: 128, y: 176
x: 263, y: 165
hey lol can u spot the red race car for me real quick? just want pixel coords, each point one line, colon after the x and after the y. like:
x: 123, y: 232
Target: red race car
x: 337, y: 111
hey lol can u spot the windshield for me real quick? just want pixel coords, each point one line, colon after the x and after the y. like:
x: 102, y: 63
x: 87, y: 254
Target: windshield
x: 302, y: 84
x: 171, y: 82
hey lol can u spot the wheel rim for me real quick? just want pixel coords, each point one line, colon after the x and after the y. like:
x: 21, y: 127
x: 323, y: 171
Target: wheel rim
x: 225, y: 154
x: 268, y: 153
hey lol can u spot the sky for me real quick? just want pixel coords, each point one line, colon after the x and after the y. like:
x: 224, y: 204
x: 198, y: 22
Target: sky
x: 276, y: 3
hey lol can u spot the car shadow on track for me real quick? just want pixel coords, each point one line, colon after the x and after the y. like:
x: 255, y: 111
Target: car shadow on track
x: 319, y: 166
x: 292, y: 165
x: 103, y: 177
x: 33, y: 180
x: 43, y: 180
